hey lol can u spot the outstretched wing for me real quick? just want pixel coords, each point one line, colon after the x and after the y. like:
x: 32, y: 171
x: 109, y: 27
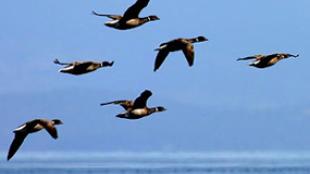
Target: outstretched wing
x: 17, y: 142
x: 189, y: 53
x: 114, y: 17
x: 116, y: 102
x: 161, y: 56
x: 141, y: 101
x: 56, y: 61
x: 126, y: 104
x: 134, y: 10
x: 257, y: 57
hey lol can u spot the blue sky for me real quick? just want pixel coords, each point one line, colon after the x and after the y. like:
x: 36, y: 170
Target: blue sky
x: 217, y: 105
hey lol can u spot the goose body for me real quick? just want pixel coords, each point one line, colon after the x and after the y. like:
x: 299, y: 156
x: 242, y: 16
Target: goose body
x: 181, y: 44
x: 264, y: 61
x: 78, y: 68
x: 130, y: 18
x: 31, y: 127
x: 138, y: 113
x: 138, y: 108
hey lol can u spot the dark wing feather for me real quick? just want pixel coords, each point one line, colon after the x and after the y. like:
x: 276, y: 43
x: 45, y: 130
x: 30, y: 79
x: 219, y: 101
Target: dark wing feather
x: 56, y: 61
x: 271, y: 56
x: 82, y: 66
x: 141, y: 101
x: 17, y: 142
x: 126, y: 104
x: 161, y: 56
x: 268, y: 58
x: 246, y: 58
x: 257, y: 57
x: 50, y: 128
x: 116, y: 102
x: 52, y: 131
x: 114, y: 17
x: 189, y: 53
x: 134, y: 10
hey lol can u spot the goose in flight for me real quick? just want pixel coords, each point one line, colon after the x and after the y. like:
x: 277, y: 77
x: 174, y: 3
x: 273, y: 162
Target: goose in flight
x: 31, y: 127
x: 130, y: 18
x: 264, y: 61
x: 186, y: 45
x: 138, y: 108
x: 78, y: 68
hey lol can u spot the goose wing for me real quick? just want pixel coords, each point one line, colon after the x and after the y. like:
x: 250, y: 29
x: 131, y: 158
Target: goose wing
x: 56, y: 61
x: 268, y: 58
x: 257, y: 57
x: 83, y: 66
x: 141, y: 101
x: 126, y: 104
x: 49, y: 127
x: 114, y: 17
x: 160, y: 58
x: 17, y: 142
x: 134, y: 10
x: 189, y: 53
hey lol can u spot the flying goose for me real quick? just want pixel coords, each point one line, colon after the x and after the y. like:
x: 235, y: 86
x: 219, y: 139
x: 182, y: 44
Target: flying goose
x: 30, y: 127
x: 264, y: 61
x: 78, y: 68
x: 130, y: 18
x: 186, y: 45
x: 137, y: 109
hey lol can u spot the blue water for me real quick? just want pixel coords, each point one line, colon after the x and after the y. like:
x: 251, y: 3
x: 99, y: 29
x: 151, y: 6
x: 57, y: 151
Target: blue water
x: 149, y: 163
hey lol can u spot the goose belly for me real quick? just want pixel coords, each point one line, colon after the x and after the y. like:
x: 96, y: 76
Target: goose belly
x: 38, y: 127
x: 140, y: 112
x: 133, y: 22
x: 92, y: 68
x: 273, y: 61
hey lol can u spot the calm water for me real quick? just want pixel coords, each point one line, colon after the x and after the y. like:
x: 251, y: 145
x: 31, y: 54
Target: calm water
x: 140, y: 163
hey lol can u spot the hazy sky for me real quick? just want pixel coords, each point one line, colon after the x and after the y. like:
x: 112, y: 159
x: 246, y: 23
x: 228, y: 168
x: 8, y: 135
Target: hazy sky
x: 217, y: 105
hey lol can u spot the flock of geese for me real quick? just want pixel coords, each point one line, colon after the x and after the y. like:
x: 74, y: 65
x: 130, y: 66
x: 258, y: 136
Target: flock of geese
x: 134, y: 109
